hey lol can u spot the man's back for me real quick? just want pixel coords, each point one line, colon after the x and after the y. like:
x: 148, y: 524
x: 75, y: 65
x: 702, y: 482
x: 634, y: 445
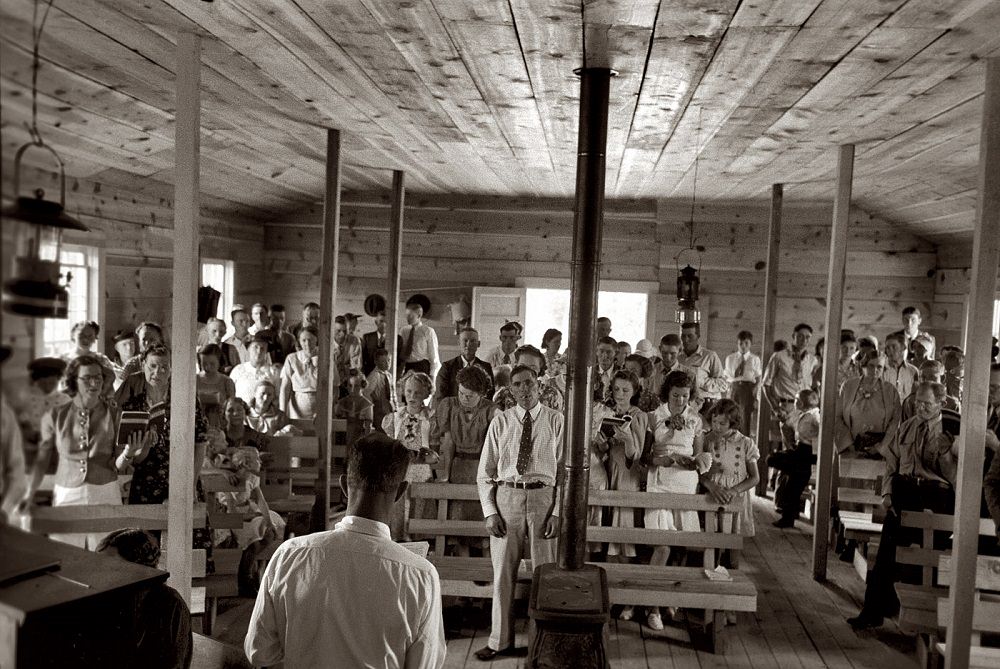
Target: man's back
x: 347, y: 598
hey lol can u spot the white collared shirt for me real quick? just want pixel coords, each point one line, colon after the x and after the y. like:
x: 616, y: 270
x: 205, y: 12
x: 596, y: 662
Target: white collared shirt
x: 498, y: 461
x: 349, y: 597
x: 246, y: 377
x: 425, y: 345
x: 752, y: 367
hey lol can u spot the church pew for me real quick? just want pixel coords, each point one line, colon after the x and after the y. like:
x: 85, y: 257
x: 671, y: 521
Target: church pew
x: 985, y: 614
x: 918, y: 602
x: 859, y: 504
x: 631, y: 584
x: 291, y: 470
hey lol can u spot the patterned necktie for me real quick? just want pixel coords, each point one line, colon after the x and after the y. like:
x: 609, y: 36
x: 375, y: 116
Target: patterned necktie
x: 797, y: 364
x: 524, y: 452
x: 741, y: 368
x: 381, y: 342
x: 506, y: 358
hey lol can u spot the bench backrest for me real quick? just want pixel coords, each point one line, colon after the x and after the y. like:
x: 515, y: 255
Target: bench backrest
x: 924, y: 554
x: 860, y: 483
x: 291, y: 464
x: 716, y: 534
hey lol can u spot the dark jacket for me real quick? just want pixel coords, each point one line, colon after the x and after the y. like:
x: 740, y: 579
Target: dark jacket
x: 447, y: 383
x: 369, y: 345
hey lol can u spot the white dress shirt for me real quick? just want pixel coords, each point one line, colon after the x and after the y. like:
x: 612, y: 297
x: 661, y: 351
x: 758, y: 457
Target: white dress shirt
x: 246, y: 377
x: 712, y: 382
x: 904, y: 377
x: 241, y: 348
x: 425, y: 346
x: 349, y: 597
x: 753, y: 369
x: 498, y: 461
x: 496, y: 357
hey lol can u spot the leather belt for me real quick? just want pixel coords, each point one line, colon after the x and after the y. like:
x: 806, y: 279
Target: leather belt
x: 522, y: 485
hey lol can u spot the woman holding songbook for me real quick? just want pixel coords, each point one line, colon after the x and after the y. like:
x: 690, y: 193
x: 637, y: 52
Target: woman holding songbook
x: 82, y: 432
x: 150, y: 455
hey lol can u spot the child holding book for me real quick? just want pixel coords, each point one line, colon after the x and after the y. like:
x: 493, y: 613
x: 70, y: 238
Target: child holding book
x: 734, y: 475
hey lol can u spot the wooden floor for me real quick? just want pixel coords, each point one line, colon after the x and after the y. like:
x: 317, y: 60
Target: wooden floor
x: 798, y: 623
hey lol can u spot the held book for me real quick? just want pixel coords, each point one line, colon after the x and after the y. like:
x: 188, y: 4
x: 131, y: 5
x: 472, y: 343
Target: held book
x: 141, y: 421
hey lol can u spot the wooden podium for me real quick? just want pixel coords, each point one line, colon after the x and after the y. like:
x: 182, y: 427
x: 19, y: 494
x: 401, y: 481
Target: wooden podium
x: 80, y: 614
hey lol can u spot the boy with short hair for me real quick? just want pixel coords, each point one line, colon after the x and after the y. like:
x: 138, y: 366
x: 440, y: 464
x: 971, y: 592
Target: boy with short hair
x: 796, y: 463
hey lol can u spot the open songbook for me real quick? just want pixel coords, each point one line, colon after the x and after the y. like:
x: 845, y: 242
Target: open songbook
x: 140, y: 421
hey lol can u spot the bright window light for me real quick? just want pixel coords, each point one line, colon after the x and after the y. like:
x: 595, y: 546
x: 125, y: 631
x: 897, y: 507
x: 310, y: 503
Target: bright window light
x: 219, y: 275
x: 549, y: 308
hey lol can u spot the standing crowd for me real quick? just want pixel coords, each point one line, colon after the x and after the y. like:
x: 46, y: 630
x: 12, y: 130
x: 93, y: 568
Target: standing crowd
x: 675, y: 418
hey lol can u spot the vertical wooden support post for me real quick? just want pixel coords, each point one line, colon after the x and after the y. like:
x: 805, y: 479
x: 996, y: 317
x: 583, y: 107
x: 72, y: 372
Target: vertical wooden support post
x: 767, y: 332
x: 831, y: 349
x: 395, y: 269
x: 327, y: 380
x: 184, y: 312
x: 971, y: 441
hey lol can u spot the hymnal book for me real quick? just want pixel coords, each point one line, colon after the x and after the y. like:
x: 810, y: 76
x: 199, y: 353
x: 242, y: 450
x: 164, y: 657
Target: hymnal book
x: 720, y: 573
x: 421, y: 548
x: 610, y: 423
x: 141, y: 421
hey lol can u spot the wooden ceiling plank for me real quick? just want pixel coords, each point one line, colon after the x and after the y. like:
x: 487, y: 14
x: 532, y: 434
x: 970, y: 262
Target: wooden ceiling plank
x: 618, y: 35
x: 742, y: 57
x: 683, y: 40
x: 774, y: 13
x: 492, y: 54
x: 422, y: 42
x: 551, y: 36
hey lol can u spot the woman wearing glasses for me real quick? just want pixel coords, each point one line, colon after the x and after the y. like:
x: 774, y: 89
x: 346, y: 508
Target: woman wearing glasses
x: 83, y: 433
x: 869, y: 410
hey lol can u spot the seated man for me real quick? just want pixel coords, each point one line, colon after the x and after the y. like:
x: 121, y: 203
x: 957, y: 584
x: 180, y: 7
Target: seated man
x: 350, y: 597
x: 162, y: 617
x: 921, y: 467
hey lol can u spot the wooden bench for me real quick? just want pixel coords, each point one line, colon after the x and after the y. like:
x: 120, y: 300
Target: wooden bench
x: 918, y: 602
x: 985, y: 613
x: 224, y: 581
x: 630, y: 584
x: 859, y: 504
x: 290, y: 477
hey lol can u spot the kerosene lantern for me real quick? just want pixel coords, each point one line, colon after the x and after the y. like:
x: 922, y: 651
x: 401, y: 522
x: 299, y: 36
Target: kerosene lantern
x: 35, y: 289
x: 687, y: 296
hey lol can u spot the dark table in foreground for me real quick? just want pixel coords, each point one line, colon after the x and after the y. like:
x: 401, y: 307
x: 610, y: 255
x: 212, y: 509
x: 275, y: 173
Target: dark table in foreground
x: 80, y: 615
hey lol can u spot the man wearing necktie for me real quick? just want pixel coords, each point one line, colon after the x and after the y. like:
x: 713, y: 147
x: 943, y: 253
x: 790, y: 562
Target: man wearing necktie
x: 518, y: 480
x: 921, y: 467
x: 419, y: 351
x: 373, y: 342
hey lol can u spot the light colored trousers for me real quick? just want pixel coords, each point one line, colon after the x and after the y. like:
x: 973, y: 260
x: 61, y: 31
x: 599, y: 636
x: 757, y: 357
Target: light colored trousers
x: 524, y: 512
x: 88, y: 493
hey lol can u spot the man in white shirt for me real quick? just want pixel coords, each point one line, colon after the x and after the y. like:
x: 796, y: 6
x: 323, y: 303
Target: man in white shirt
x: 790, y: 371
x: 419, y: 351
x: 898, y: 371
x: 351, y: 597
x: 503, y: 355
x: 241, y: 325
x: 743, y: 370
x: 712, y: 383
x: 670, y: 348
x: 518, y: 479
x: 247, y: 375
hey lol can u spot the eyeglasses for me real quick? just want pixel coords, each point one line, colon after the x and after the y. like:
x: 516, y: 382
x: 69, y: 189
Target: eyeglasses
x: 90, y: 380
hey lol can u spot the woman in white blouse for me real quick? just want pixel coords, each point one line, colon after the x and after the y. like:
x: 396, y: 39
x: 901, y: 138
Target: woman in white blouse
x: 299, y: 377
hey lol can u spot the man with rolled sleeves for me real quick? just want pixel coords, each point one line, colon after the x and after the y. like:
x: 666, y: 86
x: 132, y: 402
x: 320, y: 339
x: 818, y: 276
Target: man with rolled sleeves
x: 519, y: 475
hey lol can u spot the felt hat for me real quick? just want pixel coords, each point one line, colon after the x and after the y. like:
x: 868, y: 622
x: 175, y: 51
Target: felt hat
x: 39, y: 368
x: 122, y: 335
x: 374, y: 305
x: 422, y: 301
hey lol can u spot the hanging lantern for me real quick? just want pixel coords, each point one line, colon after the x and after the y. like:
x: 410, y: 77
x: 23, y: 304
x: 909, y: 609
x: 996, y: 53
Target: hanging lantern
x: 35, y: 289
x: 687, y: 295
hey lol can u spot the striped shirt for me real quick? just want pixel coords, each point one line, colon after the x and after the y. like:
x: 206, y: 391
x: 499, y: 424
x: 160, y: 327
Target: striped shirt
x: 498, y: 461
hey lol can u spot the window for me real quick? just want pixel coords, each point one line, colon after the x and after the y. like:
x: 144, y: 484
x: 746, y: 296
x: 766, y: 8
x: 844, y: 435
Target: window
x: 81, y: 263
x: 219, y: 275
x: 996, y: 318
x: 549, y: 308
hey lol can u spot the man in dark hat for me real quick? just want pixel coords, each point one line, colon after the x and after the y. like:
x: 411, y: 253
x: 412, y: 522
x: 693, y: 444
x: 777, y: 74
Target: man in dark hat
x: 419, y: 351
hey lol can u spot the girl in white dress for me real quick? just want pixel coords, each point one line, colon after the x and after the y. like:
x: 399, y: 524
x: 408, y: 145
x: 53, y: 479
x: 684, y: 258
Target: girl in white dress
x: 675, y: 462
x: 734, y: 474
